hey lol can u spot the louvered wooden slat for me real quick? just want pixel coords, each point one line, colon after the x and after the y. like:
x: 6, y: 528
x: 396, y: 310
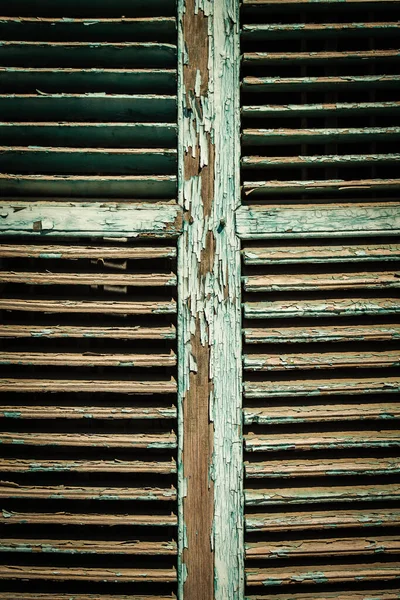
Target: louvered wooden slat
x: 89, y: 547
x: 318, y: 360
x: 86, y: 466
x: 87, y: 412
x: 92, y: 440
x: 91, y: 519
x: 85, y: 306
x: 58, y: 331
x: 62, y: 493
x: 341, y: 333
x: 88, y: 574
x: 322, y: 468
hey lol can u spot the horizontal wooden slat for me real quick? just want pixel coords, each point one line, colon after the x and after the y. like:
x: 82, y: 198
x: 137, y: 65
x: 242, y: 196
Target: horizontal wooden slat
x: 270, y: 58
x: 90, y: 252
x: 65, y: 331
x: 63, y: 160
x: 322, y: 109
x: 330, y: 307
x: 60, y: 596
x: 300, y: 442
x: 331, y: 547
x: 86, y: 466
x: 296, y: 84
x: 322, y: 387
x: 328, y: 3
x: 287, y: 255
x: 93, y: 219
x: 321, y: 360
x: 332, y: 220
x: 336, y: 467
x: 261, y: 188
x: 317, y: 520
x: 325, y: 413
x: 92, y: 440
x: 321, y: 282
x: 278, y: 31
x: 87, y: 412
x: 339, y: 333
x: 326, y: 574
x: 87, y: 306
x: 317, y: 161
x: 89, y: 186
x: 128, y: 279
x: 51, y: 546
x: 347, y: 595
x: 119, y: 575
x: 285, y: 136
x: 9, y: 491
x: 84, y: 385
x: 318, y: 495
x: 79, y: 520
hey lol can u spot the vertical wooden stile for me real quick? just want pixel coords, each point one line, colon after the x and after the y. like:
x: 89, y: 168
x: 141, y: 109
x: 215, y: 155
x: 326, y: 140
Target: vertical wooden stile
x: 210, y: 452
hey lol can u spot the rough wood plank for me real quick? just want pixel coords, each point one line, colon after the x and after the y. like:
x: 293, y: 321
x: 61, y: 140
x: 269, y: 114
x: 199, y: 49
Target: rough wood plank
x: 14, y: 491
x: 321, y: 109
x: 261, y: 188
x: 86, y: 466
x: 57, y: 251
x: 65, y: 331
x: 83, y: 385
x: 288, y: 255
x: 320, y: 360
x: 331, y: 220
x: 321, y: 282
x: 269, y: 58
x: 123, y: 279
x: 316, y: 495
x: 87, y: 412
x: 210, y: 453
x: 351, y: 595
x: 92, y: 440
x: 300, y: 442
x: 80, y: 520
x: 89, y: 359
x: 315, y: 413
x: 126, y: 219
x: 331, y: 547
x: 326, y: 574
x: 80, y: 547
x: 302, y: 335
x: 86, y: 306
x: 293, y: 84
x: 285, y: 136
x: 322, y: 387
x: 335, y: 467
x: 321, y: 520
x: 31, y: 573
x: 330, y: 307
x: 279, y: 31
x: 58, y: 596
x: 317, y: 161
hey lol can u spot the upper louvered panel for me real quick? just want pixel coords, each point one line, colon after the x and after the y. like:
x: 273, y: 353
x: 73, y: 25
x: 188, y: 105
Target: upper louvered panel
x: 321, y: 332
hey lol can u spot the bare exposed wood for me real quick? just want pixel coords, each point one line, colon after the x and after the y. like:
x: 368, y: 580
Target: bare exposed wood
x: 75, y: 519
x: 322, y: 109
x: 340, y: 333
x: 316, y: 520
x: 305, y: 220
x: 119, y: 575
x: 287, y: 255
x: 336, y: 467
x: 318, y: 495
x: 330, y: 547
x: 92, y: 440
x: 273, y: 31
x: 57, y: 596
x: 322, y: 281
x: 315, y: 413
x: 100, y: 385
x: 292, y: 84
x: 326, y: 574
x: 329, y: 307
x: 55, y: 251
x: 89, y: 359
x: 128, y: 279
x: 351, y: 595
x: 86, y: 466
x: 15, y: 491
x: 300, y: 442
x: 267, y: 58
x: 261, y: 188
x: 317, y: 161
x: 87, y: 412
x: 65, y: 331
x: 322, y: 387
x: 86, y: 306
x: 285, y: 136
x: 320, y: 360
x: 127, y: 219
x: 329, y: 3
x: 51, y: 546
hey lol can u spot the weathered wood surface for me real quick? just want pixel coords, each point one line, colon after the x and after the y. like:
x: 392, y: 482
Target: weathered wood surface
x: 92, y: 440
x: 325, y: 413
x: 86, y: 306
x: 322, y: 281
x: 267, y: 58
x: 122, y: 279
x: 348, y: 595
x: 332, y: 220
x: 58, y: 596
x: 317, y: 161
x: 321, y: 334
x: 100, y: 253
x: 83, y: 385
x: 309, y: 84
x: 322, y: 387
x: 119, y: 575
x: 285, y: 136
x: 333, y: 467
x: 306, y: 442
x: 264, y: 188
x: 64, y: 331
x: 82, y: 519
x: 88, y: 359
x: 320, y: 360
x: 95, y: 218
x: 14, y: 491
x: 329, y: 307
x: 322, y: 109
x: 51, y: 546
x: 274, y: 31
x: 86, y: 466
x: 87, y: 412
x: 329, y: 3
x: 315, y: 520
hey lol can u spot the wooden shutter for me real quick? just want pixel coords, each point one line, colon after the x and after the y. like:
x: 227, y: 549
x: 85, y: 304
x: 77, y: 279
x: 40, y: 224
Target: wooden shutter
x: 320, y: 131
x: 88, y: 255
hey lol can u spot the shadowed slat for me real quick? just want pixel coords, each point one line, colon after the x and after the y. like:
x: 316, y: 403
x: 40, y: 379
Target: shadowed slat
x: 10, y: 491
x: 321, y: 360
x: 86, y: 412
x: 300, y: 442
x: 49, y: 546
x: 100, y: 385
x: 86, y: 466
x: 92, y: 440
x: 88, y: 574
x: 83, y: 519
